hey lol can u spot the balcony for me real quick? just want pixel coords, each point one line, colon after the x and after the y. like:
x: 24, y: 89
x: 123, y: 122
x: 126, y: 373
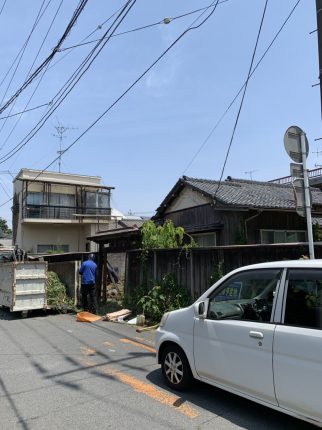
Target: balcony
x: 62, y: 212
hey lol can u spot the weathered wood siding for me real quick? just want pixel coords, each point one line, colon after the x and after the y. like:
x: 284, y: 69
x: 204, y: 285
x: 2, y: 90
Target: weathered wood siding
x: 194, y: 270
x: 196, y: 217
x: 231, y: 225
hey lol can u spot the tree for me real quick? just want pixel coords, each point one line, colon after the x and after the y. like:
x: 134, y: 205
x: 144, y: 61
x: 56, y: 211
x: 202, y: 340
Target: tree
x: 164, y: 236
x: 4, y: 226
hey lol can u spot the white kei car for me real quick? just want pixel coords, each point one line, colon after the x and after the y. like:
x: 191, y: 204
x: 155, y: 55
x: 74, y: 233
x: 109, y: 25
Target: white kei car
x: 257, y: 333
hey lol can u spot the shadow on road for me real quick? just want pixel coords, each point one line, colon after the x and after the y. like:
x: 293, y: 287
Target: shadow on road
x: 237, y: 410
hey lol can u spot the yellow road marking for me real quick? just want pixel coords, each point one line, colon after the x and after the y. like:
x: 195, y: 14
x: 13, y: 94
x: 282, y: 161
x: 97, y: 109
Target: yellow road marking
x: 148, y: 389
x: 88, y: 351
x: 108, y: 343
x: 141, y: 339
x: 152, y: 392
x: 140, y: 345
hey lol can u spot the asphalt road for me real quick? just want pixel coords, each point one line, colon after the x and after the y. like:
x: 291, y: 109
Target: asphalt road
x: 57, y: 373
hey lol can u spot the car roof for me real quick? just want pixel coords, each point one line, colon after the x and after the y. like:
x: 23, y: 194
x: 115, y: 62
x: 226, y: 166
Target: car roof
x: 301, y: 263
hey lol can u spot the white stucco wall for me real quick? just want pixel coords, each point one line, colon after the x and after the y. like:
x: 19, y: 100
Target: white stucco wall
x: 52, y: 234
x: 187, y: 199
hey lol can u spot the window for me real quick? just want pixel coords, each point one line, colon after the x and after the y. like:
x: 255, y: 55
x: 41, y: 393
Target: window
x: 246, y: 296
x: 52, y: 249
x: 34, y: 198
x: 58, y: 199
x: 34, y: 203
x: 304, y: 298
x: 282, y: 236
x: 205, y: 239
x: 103, y: 200
x: 95, y: 201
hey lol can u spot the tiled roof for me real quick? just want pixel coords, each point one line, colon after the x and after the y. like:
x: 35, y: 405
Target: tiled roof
x: 131, y: 222
x: 251, y: 194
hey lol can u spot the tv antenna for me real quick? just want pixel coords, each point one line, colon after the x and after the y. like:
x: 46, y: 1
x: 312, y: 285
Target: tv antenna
x: 250, y: 173
x: 61, y: 130
x: 317, y: 153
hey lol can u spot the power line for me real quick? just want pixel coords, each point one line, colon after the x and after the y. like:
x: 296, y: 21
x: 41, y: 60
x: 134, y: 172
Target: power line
x: 65, y: 55
x: 243, y: 97
x: 99, y: 27
x: 3, y: 5
x: 4, y: 189
x: 70, y: 84
x: 39, y: 16
x: 50, y: 103
x: 241, y: 88
x: 114, y: 35
x: 126, y: 9
x: 5, y: 172
x: 70, y: 25
x: 192, y: 26
x: 24, y: 111
x: 163, y: 21
x: 22, y: 48
x: 32, y: 95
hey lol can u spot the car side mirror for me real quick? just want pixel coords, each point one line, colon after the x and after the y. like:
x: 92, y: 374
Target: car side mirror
x: 201, y: 309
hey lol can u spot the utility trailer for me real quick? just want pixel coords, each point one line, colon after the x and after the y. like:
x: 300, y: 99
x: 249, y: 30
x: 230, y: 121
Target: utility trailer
x: 22, y: 284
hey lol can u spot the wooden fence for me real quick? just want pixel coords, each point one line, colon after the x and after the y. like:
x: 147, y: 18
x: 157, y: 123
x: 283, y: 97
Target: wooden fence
x: 195, y: 269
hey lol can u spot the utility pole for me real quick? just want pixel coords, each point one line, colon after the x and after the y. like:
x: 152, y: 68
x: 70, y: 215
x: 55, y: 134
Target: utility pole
x: 319, y: 31
x: 60, y: 131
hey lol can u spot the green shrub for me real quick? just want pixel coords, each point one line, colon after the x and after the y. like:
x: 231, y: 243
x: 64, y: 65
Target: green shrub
x: 57, y: 297
x: 131, y: 301
x: 163, y: 297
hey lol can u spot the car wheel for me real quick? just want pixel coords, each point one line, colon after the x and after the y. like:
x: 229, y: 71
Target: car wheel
x: 175, y: 368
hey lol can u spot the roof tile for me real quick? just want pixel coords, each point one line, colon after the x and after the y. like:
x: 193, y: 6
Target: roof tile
x: 246, y: 193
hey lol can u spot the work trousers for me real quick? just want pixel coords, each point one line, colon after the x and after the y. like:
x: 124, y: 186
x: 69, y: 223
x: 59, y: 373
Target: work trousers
x: 89, y: 299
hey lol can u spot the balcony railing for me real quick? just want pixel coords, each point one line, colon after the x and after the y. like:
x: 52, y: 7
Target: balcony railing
x: 315, y: 173
x: 62, y: 212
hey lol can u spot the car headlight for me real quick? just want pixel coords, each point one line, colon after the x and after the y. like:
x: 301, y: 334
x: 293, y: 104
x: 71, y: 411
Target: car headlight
x: 164, y: 319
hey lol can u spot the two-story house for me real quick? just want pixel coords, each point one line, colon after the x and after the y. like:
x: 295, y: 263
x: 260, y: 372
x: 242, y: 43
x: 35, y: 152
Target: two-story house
x: 56, y: 212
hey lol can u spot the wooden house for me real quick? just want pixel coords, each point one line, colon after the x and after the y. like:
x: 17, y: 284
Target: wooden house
x: 237, y: 211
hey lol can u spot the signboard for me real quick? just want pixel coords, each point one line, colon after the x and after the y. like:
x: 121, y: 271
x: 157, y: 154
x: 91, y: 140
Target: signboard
x: 292, y: 143
x: 296, y: 170
x: 297, y: 147
x: 299, y: 195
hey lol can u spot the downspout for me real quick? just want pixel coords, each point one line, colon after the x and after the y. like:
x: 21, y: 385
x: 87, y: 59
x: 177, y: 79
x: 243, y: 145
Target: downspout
x: 249, y: 219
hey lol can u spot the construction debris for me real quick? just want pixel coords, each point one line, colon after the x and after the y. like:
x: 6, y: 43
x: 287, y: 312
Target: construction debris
x: 141, y: 329
x: 140, y: 320
x: 87, y: 317
x: 117, y: 316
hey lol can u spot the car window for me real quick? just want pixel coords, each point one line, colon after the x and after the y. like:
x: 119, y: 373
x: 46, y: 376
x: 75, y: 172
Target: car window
x: 245, y: 296
x: 303, y: 306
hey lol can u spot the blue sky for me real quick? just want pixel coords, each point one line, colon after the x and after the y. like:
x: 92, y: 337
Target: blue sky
x: 151, y: 137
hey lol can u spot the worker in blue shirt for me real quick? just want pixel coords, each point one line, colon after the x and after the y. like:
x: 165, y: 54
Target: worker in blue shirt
x: 88, y: 270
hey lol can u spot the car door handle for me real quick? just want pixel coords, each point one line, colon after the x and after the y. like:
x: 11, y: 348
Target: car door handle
x: 256, y: 334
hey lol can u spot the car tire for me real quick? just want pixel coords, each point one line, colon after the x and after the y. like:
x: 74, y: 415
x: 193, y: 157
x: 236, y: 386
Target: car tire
x: 175, y: 368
